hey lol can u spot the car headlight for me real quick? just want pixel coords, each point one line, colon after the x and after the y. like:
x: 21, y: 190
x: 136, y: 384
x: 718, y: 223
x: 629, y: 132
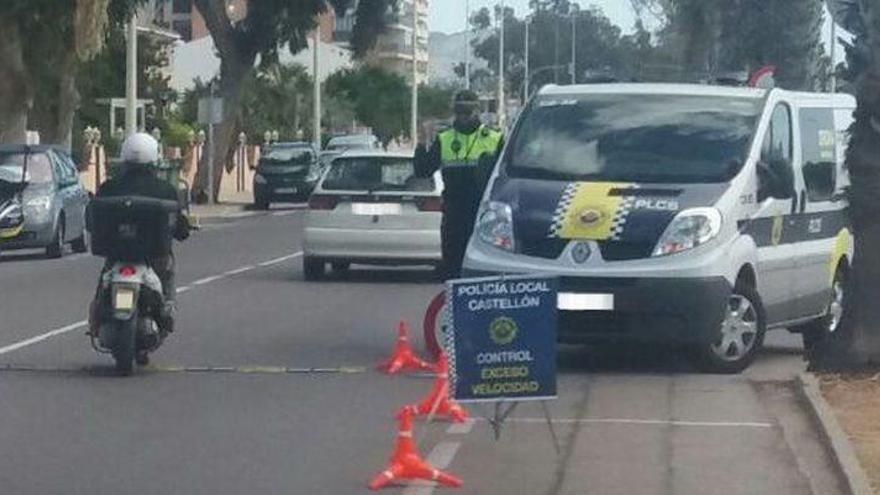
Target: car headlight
x: 689, y: 229
x: 259, y: 179
x: 495, y: 225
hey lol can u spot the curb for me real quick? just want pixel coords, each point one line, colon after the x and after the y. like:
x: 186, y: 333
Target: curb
x: 843, y: 454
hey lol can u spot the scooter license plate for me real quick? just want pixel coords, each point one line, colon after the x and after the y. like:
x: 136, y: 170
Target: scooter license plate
x: 123, y: 299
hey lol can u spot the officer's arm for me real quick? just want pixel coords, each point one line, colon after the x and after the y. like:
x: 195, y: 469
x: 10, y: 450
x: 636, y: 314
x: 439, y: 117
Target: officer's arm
x: 427, y: 161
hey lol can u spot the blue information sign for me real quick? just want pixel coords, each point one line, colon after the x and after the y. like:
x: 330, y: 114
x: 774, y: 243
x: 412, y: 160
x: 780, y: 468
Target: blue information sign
x: 502, y: 338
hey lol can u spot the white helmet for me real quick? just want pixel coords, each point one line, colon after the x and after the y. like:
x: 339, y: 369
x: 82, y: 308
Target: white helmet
x: 140, y: 148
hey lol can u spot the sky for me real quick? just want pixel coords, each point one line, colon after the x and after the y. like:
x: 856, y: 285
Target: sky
x: 448, y: 16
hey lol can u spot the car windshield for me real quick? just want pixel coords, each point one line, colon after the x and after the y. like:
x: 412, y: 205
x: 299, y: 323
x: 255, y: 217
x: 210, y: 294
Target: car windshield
x: 375, y: 174
x: 629, y: 137
x: 298, y: 155
x: 39, y: 169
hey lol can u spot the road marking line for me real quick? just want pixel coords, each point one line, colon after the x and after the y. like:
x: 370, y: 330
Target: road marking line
x: 280, y: 260
x: 180, y: 290
x: 286, y: 213
x: 649, y: 422
x: 244, y: 370
x: 207, y: 280
x: 39, y: 338
x: 440, y: 457
x: 462, y: 428
x: 239, y: 271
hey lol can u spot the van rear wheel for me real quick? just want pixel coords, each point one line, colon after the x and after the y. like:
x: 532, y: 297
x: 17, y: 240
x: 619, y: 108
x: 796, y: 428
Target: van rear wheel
x: 817, y: 331
x: 739, y: 337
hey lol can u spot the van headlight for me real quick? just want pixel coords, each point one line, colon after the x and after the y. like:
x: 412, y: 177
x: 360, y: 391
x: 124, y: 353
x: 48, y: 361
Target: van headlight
x: 689, y: 229
x: 495, y: 225
x: 259, y: 179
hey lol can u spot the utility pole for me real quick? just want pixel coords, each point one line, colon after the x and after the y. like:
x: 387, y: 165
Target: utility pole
x: 575, y: 8
x: 526, y: 49
x: 501, y: 116
x: 414, y: 106
x: 211, y: 143
x: 316, y: 69
x: 833, y: 53
x: 467, y: 44
x: 131, y: 76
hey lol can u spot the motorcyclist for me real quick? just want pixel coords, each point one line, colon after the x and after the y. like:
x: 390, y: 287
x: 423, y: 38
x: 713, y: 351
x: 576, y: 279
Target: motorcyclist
x: 456, y: 152
x: 140, y: 154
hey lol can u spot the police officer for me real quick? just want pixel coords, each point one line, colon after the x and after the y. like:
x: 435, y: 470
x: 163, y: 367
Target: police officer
x: 456, y: 152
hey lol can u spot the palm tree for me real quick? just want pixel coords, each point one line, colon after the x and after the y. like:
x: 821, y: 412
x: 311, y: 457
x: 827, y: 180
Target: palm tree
x: 857, y: 343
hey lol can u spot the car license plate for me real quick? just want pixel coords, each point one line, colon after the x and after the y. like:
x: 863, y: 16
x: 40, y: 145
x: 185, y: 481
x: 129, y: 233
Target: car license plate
x: 376, y: 208
x: 286, y: 190
x: 570, y: 301
x: 124, y: 299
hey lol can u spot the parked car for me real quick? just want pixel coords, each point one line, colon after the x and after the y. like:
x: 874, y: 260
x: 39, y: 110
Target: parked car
x: 54, y: 200
x: 286, y: 172
x: 370, y: 208
x: 353, y: 142
x: 693, y: 215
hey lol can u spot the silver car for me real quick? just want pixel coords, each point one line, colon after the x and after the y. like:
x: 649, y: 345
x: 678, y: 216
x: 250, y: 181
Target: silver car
x: 369, y: 207
x: 54, y: 200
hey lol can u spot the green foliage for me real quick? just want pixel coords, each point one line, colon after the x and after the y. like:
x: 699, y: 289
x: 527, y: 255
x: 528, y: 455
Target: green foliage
x: 380, y: 99
x: 176, y: 133
x: 278, y: 98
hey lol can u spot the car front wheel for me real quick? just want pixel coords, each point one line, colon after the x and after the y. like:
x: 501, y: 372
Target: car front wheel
x: 738, y: 339
x: 55, y: 249
x: 817, y: 331
x: 313, y: 268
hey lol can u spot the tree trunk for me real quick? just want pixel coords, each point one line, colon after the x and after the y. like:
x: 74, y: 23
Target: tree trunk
x: 15, y: 97
x: 857, y: 343
x: 54, y: 116
x: 233, y: 77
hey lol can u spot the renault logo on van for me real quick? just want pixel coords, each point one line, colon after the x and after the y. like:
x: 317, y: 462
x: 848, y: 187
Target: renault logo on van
x: 590, y: 216
x: 580, y: 252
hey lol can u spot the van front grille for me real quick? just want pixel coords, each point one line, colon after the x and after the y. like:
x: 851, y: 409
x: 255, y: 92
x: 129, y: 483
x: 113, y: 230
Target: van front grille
x: 545, y: 247
x: 623, y: 251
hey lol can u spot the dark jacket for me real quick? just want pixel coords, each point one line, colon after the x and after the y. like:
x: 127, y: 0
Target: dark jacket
x: 140, y: 181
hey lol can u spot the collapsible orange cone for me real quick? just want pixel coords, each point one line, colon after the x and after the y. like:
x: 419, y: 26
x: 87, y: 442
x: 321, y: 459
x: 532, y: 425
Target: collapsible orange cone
x: 403, y: 358
x: 405, y: 461
x: 438, y: 401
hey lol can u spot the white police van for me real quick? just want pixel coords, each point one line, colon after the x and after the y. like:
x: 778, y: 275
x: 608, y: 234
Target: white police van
x: 691, y: 214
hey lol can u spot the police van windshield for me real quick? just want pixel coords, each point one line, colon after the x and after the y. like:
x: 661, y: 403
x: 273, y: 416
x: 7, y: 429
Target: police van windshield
x: 634, y: 137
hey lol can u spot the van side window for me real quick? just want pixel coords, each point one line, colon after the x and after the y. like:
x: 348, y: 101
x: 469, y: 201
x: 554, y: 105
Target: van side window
x: 818, y: 143
x: 777, y: 142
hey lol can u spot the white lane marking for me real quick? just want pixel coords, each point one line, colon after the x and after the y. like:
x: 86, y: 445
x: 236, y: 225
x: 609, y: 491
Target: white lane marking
x: 207, y: 280
x: 654, y: 422
x: 239, y: 271
x: 286, y: 213
x: 440, y: 457
x: 180, y: 290
x: 461, y: 428
x: 281, y: 259
x: 39, y: 338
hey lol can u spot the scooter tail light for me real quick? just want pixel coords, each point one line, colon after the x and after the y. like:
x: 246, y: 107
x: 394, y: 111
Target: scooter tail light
x: 127, y: 270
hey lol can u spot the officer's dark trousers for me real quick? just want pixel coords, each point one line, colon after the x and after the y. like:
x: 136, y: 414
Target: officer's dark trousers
x: 455, y: 232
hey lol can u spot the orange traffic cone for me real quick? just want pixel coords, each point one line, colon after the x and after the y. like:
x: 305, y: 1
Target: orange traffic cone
x: 403, y: 358
x: 438, y: 401
x: 406, y: 463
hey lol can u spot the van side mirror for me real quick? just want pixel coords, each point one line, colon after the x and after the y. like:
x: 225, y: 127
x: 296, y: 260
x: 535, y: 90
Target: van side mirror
x: 775, y: 179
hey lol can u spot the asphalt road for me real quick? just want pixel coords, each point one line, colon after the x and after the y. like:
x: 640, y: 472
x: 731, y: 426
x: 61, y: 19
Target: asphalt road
x: 214, y: 415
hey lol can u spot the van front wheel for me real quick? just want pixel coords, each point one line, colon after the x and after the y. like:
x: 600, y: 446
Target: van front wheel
x: 819, y: 330
x: 739, y: 337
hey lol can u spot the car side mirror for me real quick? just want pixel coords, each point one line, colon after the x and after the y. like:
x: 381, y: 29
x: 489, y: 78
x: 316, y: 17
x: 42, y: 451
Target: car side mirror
x: 776, y: 179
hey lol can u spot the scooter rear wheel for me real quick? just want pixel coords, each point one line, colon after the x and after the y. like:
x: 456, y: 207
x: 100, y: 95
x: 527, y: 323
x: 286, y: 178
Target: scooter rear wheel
x: 123, y: 349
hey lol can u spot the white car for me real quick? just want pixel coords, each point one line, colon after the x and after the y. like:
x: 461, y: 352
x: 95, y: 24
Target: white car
x: 370, y: 208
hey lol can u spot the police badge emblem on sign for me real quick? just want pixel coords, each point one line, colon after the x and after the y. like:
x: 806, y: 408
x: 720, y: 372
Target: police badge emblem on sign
x: 502, y: 338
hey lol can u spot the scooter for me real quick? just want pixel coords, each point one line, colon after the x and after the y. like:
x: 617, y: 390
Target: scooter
x: 132, y: 318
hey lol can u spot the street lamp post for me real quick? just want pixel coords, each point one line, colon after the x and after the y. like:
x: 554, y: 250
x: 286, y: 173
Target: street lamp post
x: 467, y: 44
x: 316, y: 133
x: 575, y: 8
x: 414, y: 106
x: 501, y: 116
x: 526, y: 51
x: 131, y: 76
